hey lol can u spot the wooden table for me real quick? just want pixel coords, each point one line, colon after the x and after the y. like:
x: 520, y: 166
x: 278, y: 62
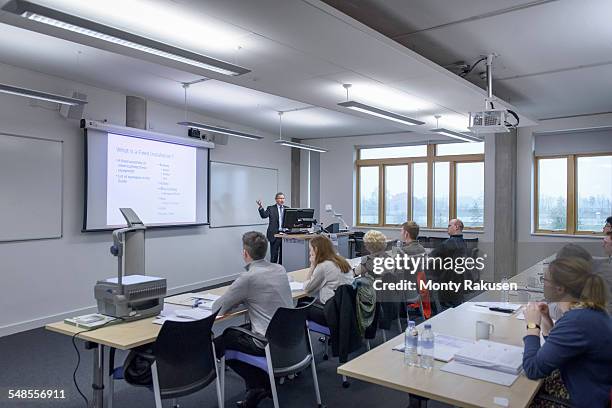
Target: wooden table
x: 384, y: 366
x: 125, y: 336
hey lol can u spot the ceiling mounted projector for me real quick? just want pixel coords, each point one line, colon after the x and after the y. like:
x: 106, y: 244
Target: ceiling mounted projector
x: 491, y: 120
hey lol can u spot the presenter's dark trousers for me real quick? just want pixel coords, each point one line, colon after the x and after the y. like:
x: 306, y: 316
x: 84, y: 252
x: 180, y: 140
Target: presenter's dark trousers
x: 276, y: 250
x: 236, y: 340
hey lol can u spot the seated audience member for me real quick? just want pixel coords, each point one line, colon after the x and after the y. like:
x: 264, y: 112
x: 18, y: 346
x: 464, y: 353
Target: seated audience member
x: 262, y: 288
x: 410, y: 233
x: 375, y: 242
x: 607, y: 229
x: 454, y: 247
x: 578, y: 344
x: 607, y: 246
x: 327, y: 272
x: 412, y: 248
x: 599, y: 266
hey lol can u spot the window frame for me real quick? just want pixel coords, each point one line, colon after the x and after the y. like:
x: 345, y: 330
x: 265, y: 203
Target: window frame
x: 430, y: 159
x: 572, y: 196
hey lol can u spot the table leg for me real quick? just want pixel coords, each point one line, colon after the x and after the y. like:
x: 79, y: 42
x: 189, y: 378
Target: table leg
x: 98, y: 377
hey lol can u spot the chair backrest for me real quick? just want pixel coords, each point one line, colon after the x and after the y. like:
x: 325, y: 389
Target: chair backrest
x: 287, y: 336
x: 184, y: 357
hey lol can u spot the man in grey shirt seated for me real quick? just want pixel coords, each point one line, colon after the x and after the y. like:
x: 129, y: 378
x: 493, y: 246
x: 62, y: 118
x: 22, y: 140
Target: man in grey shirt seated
x: 262, y: 288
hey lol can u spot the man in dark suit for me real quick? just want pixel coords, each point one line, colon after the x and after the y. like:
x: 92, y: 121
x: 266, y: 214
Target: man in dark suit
x: 276, y: 214
x: 454, y: 247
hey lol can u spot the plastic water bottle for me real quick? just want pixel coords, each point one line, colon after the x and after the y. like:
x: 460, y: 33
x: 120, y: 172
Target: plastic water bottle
x: 505, y: 290
x: 427, y: 347
x: 411, y: 342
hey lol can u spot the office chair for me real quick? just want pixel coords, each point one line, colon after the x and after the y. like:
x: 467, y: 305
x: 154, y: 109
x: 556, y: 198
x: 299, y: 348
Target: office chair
x: 184, y: 362
x: 288, y: 349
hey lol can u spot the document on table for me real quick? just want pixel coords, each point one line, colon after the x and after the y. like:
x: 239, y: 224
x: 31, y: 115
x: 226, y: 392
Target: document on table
x: 181, y: 314
x: 184, y: 299
x: 492, y: 355
x: 480, y: 373
x: 445, y: 346
x: 296, y: 286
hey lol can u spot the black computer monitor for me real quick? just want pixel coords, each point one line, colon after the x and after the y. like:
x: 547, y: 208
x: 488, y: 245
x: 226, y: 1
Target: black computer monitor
x: 295, y: 218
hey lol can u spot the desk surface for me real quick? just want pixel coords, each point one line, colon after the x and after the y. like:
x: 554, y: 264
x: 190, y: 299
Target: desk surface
x: 125, y: 336
x: 384, y: 366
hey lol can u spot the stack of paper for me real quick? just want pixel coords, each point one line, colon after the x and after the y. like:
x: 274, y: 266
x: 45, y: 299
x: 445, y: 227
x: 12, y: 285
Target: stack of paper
x: 184, y: 299
x: 493, y: 356
x: 181, y: 314
x: 445, y: 346
x: 296, y: 286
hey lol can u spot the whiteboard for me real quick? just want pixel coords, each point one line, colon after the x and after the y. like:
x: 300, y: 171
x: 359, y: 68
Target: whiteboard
x: 31, y: 183
x: 235, y: 188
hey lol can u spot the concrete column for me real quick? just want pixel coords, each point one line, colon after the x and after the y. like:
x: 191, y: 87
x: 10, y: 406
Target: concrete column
x: 504, y: 232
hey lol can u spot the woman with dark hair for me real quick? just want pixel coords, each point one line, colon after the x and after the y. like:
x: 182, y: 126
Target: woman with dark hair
x: 607, y: 229
x: 327, y: 272
x: 578, y: 344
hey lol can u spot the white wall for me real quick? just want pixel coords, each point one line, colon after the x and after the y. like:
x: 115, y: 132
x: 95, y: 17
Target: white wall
x: 338, y: 182
x: 47, y: 280
x: 531, y: 247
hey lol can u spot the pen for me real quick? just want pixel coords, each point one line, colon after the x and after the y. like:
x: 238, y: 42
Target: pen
x: 501, y: 309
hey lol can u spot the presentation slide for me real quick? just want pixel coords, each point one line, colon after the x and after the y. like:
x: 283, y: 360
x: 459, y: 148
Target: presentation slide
x: 153, y: 178
x: 163, y: 178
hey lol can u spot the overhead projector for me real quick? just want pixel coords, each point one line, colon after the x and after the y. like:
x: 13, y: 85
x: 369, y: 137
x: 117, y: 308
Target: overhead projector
x: 490, y: 121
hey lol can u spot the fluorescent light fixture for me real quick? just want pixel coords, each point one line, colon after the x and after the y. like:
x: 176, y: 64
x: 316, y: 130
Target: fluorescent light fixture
x: 370, y: 110
x: 456, y: 135
x: 300, y: 146
x: 43, y: 96
x: 112, y: 35
x: 221, y: 130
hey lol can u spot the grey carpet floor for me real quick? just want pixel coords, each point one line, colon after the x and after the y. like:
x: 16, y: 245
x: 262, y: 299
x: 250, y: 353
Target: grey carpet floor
x: 38, y: 359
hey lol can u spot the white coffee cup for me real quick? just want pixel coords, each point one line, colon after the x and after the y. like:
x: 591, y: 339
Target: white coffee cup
x: 483, y: 330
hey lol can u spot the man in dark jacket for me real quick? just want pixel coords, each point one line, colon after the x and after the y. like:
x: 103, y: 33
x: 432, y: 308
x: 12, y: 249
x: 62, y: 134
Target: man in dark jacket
x: 276, y: 214
x: 454, y: 247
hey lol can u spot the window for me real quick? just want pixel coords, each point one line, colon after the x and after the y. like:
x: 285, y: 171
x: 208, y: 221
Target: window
x: 396, y: 194
x: 393, y: 152
x: 460, y: 148
x: 401, y: 183
x: 573, y: 193
x: 441, y: 194
x: 470, y: 193
x: 419, y: 193
x: 368, y: 195
x: 593, y: 192
x: 552, y: 194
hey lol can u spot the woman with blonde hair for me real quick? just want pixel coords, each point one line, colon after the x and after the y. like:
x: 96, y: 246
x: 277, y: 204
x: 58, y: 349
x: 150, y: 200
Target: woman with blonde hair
x: 327, y: 272
x: 578, y: 344
x: 375, y: 242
